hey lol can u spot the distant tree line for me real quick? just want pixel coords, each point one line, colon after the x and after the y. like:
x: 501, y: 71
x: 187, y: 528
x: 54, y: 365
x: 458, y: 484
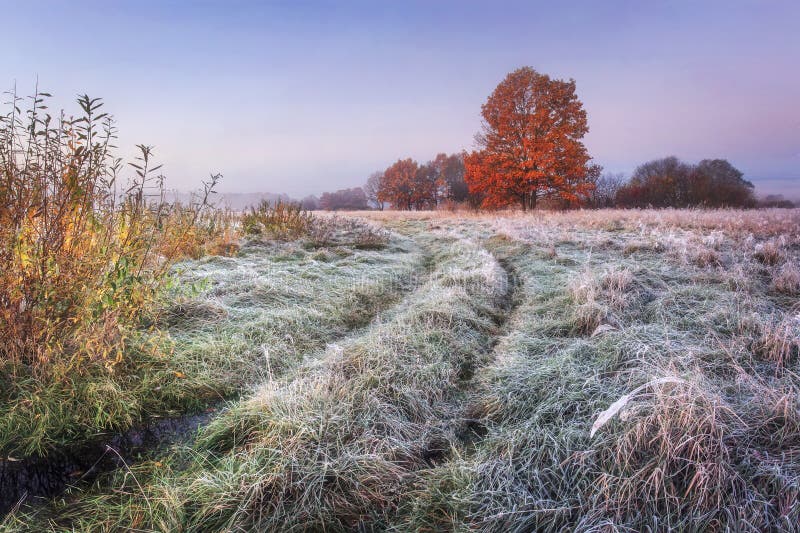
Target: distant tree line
x: 530, y: 153
x: 405, y: 184
x: 670, y: 182
x: 344, y: 199
x: 776, y: 200
x: 666, y: 182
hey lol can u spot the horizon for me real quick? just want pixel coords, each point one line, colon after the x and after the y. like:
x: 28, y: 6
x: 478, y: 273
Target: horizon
x: 303, y: 98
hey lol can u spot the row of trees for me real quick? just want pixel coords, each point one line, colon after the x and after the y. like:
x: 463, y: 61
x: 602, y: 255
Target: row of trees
x: 530, y: 149
x: 347, y: 199
x: 408, y: 185
x: 670, y: 182
x: 666, y: 182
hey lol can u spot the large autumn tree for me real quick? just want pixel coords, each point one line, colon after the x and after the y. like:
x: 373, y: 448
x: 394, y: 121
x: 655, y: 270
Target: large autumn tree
x: 531, y: 143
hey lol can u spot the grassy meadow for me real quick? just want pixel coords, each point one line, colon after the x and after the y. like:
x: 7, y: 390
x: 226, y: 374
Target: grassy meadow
x: 431, y: 371
x: 473, y: 267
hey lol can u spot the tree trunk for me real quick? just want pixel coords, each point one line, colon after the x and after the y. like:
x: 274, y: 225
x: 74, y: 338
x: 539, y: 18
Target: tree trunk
x: 528, y: 201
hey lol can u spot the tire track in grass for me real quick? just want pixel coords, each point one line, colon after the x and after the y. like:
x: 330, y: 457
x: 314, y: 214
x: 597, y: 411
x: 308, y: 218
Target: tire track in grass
x: 464, y: 428
x: 340, y: 442
x: 359, y: 300
x: 434, y: 502
x: 486, y: 487
x: 338, y: 446
x: 291, y: 301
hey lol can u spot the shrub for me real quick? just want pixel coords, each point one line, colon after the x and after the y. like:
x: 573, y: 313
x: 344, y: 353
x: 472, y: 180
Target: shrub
x: 80, y: 262
x: 281, y: 220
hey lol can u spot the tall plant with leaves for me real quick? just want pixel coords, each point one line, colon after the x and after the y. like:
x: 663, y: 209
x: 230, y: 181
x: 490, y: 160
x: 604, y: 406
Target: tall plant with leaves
x: 81, y: 256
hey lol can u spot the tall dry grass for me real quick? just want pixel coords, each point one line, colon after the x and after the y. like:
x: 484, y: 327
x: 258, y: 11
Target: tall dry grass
x: 82, y: 253
x: 285, y: 221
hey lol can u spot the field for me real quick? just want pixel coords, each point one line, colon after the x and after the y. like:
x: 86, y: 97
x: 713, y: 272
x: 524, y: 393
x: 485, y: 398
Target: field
x: 430, y: 371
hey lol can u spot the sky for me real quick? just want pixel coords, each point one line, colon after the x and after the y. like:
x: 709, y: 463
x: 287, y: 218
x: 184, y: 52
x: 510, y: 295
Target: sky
x: 301, y: 97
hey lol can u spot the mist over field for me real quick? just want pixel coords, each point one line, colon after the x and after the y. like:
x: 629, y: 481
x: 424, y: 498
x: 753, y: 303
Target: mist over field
x: 306, y: 98
x: 405, y: 267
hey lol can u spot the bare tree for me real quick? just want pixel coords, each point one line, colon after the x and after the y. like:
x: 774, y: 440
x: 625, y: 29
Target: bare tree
x: 373, y: 188
x: 605, y: 190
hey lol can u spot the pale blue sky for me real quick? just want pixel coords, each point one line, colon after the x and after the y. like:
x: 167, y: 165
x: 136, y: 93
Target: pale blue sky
x: 301, y: 97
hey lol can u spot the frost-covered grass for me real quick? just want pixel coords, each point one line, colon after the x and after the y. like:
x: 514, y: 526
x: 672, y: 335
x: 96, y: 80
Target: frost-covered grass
x: 227, y: 323
x: 603, y: 309
x: 337, y: 441
x: 470, y: 404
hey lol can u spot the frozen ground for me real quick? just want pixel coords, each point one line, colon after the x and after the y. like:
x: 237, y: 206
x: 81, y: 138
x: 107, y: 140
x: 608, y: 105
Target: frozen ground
x: 603, y: 370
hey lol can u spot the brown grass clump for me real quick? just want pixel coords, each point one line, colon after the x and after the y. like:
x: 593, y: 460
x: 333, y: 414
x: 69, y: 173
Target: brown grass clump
x: 634, y: 246
x: 355, y: 232
x: 769, y: 253
x: 706, y: 257
x: 773, y: 414
x: 787, y: 279
x: 616, y: 283
x: 281, y: 220
x: 287, y: 221
x: 779, y: 340
x: 599, y: 299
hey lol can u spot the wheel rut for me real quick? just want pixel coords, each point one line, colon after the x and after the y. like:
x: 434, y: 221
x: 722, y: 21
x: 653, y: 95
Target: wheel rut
x: 34, y: 479
x: 466, y: 425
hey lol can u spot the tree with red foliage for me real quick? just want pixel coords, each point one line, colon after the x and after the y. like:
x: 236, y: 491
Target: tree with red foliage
x: 530, y: 146
x: 399, y: 185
